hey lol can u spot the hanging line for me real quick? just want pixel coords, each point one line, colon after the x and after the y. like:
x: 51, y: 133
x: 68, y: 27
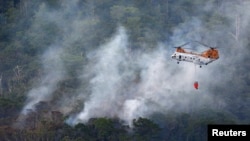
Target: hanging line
x: 196, y: 84
x: 195, y: 73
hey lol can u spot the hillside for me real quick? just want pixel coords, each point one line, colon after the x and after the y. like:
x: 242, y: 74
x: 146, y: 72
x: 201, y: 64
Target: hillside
x: 102, y: 70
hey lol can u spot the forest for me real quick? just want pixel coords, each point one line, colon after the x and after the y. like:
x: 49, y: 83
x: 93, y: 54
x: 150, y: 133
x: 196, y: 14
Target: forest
x: 100, y: 70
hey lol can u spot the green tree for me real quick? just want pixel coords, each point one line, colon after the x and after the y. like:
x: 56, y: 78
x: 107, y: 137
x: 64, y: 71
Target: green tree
x: 145, y: 129
x: 104, y: 128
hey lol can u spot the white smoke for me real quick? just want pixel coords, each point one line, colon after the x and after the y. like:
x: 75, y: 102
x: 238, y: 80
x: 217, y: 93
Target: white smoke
x: 109, y: 71
x: 128, y: 86
x: 54, y: 73
x: 70, y: 27
x: 119, y: 82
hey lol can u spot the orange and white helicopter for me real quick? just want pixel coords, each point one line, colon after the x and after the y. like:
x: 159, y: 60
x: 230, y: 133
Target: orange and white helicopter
x: 200, y: 59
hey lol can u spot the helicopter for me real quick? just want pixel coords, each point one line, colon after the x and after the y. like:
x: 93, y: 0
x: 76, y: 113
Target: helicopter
x: 203, y: 58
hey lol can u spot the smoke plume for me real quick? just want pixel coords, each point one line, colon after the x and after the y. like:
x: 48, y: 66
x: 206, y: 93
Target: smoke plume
x: 128, y: 85
x: 119, y: 82
x: 54, y: 73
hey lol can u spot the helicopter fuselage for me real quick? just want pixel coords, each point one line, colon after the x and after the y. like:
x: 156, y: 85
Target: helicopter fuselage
x: 192, y: 57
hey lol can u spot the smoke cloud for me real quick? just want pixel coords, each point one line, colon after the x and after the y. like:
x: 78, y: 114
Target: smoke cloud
x: 119, y: 82
x: 129, y: 85
x: 54, y: 73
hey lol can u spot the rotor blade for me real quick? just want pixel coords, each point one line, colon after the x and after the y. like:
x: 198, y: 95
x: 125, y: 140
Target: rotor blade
x: 187, y: 48
x: 205, y: 45
x: 182, y: 45
x: 202, y: 44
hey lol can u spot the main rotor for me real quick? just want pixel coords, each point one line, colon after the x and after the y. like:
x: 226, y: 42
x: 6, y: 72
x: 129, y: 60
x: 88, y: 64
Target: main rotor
x: 203, y: 44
